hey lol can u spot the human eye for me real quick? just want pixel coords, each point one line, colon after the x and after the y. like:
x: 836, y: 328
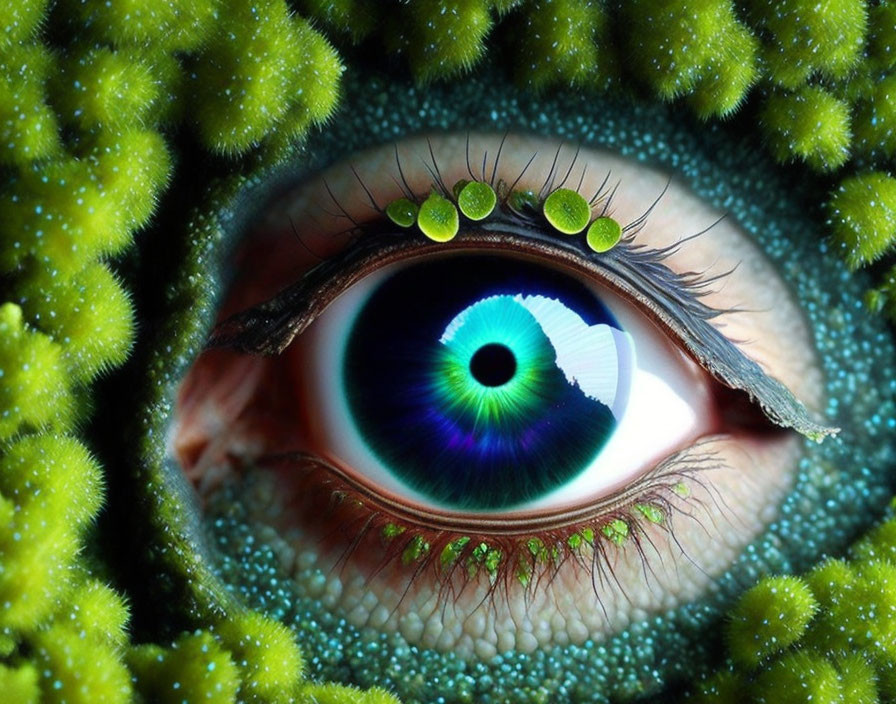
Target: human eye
x: 464, y: 591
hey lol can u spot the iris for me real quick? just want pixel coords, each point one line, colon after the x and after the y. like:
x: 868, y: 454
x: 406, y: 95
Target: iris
x: 500, y: 379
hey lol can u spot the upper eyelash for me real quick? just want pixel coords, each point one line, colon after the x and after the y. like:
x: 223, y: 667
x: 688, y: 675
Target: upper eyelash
x: 672, y: 300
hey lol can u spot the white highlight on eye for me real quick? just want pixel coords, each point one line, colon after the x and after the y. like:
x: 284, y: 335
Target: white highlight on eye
x: 668, y: 398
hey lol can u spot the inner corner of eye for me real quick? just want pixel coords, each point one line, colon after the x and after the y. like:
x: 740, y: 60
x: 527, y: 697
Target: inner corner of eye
x: 485, y: 398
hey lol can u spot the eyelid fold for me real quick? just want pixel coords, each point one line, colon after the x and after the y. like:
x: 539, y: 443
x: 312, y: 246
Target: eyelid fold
x: 670, y: 299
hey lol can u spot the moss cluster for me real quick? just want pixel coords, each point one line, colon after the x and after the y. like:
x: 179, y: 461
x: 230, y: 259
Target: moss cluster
x: 826, y: 637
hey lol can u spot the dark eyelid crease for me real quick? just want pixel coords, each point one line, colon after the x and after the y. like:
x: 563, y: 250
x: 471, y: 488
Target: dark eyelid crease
x: 670, y: 299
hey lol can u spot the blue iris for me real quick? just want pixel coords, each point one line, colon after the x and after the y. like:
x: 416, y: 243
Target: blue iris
x: 485, y: 382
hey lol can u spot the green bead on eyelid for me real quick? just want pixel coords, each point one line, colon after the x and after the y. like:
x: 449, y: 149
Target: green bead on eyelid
x: 476, y: 200
x: 438, y: 218
x: 402, y: 212
x: 567, y: 211
x: 603, y: 234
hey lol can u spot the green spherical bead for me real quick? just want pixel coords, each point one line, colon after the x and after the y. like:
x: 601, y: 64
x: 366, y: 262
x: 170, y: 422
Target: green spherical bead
x: 567, y: 211
x: 402, y: 212
x: 769, y: 618
x: 603, y: 234
x: 438, y: 218
x: 477, y: 200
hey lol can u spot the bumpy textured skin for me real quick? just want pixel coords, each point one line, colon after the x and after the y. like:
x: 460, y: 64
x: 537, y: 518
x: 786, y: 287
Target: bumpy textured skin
x: 103, y: 97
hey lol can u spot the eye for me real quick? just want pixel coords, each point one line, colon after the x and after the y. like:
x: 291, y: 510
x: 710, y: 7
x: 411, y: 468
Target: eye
x: 659, y: 476
x: 474, y: 382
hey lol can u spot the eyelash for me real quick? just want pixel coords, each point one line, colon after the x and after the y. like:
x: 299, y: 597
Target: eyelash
x: 524, y: 558
x: 511, y: 560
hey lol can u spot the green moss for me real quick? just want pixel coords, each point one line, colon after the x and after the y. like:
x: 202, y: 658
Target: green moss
x: 20, y: 20
x: 882, y: 34
x: 811, y: 125
x: 808, y: 37
x: 102, y: 87
x: 75, y: 669
x: 769, y: 618
x: 262, y: 70
x: 682, y: 48
x: 858, y: 680
x: 874, y: 122
x: 356, y: 18
x: 798, y: 678
x: 29, y: 127
x: 35, y: 391
x: 342, y: 694
x: 444, y: 39
x: 173, y: 24
x: 862, y: 217
x: 194, y: 669
x: 563, y: 42
x: 20, y: 684
x: 90, y: 315
x: 266, y: 654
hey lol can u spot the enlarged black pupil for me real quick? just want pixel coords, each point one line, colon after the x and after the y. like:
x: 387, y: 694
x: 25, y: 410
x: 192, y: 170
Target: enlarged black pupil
x: 493, y: 365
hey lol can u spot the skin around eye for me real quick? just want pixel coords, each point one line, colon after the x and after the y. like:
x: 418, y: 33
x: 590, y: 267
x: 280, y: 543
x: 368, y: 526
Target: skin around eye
x: 234, y: 410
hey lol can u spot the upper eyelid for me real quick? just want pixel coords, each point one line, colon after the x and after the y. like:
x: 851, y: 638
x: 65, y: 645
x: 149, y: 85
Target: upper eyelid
x: 670, y: 298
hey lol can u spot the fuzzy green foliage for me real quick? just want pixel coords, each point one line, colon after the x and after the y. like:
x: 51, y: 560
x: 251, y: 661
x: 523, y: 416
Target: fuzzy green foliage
x: 134, y: 167
x: 90, y: 315
x: 882, y: 34
x: 342, y: 694
x: 266, y: 654
x: 355, y: 18
x: 874, y: 122
x: 563, y: 42
x: 35, y: 392
x: 20, y: 684
x: 20, y: 20
x: 810, y: 124
x: 28, y: 126
x: 768, y: 618
x: 60, y: 216
x: 262, y: 70
x: 173, y: 24
x: 102, y: 87
x: 724, y: 687
x: 50, y: 489
x: 858, y: 680
x: 798, y: 678
x: 862, y: 217
x: 878, y: 544
x: 194, y: 669
x: 809, y: 36
x: 682, y: 48
x: 77, y: 669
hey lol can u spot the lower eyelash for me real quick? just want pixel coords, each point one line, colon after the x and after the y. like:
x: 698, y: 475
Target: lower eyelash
x: 514, y: 559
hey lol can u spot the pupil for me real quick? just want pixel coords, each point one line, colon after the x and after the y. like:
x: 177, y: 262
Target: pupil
x: 493, y: 365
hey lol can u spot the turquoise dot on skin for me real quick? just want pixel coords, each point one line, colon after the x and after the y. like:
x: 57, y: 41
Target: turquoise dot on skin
x: 438, y: 218
x: 567, y: 211
x: 402, y: 212
x: 477, y: 200
x: 603, y: 234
